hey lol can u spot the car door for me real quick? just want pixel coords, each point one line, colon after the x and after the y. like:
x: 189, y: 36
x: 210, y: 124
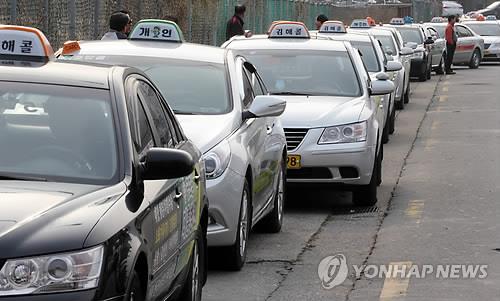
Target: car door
x: 465, y: 45
x: 437, y: 47
x: 255, y: 139
x: 162, y: 233
x: 188, y: 192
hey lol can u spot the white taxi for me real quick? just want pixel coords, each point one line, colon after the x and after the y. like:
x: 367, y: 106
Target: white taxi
x: 332, y: 124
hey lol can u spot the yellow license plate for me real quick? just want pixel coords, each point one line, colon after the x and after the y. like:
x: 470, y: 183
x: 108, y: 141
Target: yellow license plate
x: 293, y: 162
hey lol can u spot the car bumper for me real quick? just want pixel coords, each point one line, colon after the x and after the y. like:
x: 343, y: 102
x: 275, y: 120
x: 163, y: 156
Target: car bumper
x: 418, y: 67
x: 491, y: 55
x: 224, y: 194
x: 345, y: 164
x: 88, y: 295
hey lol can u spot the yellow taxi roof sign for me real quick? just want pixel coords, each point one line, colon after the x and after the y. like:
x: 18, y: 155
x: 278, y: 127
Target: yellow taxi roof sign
x: 25, y: 43
x: 156, y: 30
x: 288, y: 29
x: 332, y: 27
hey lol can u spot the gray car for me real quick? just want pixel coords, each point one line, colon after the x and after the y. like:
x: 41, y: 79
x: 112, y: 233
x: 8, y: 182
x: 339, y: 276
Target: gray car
x: 437, y: 49
x: 223, y: 106
x: 470, y: 46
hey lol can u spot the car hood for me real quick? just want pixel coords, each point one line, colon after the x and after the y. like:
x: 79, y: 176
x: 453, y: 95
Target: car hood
x: 320, y: 111
x: 491, y: 39
x: 41, y: 218
x: 206, y: 131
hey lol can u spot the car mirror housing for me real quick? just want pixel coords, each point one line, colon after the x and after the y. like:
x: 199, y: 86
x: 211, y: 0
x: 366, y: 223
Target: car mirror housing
x: 166, y: 163
x: 393, y: 66
x: 429, y: 41
x: 406, y: 51
x: 382, y: 85
x: 265, y: 106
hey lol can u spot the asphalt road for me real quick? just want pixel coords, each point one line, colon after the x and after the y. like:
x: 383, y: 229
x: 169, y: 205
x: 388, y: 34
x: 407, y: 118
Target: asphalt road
x: 438, y: 205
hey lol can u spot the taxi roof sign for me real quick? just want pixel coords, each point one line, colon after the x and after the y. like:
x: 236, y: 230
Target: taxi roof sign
x: 156, y: 30
x: 491, y: 18
x: 397, y: 21
x: 439, y: 20
x: 332, y: 27
x: 360, y: 23
x: 288, y: 29
x: 26, y: 43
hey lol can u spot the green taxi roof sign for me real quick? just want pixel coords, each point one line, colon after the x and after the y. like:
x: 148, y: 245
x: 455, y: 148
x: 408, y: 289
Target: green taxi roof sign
x: 332, y: 27
x: 157, y: 30
x: 288, y: 29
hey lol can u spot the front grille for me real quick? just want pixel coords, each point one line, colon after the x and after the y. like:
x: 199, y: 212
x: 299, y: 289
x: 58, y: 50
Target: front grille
x: 294, y: 137
x: 486, y: 46
x: 309, y: 173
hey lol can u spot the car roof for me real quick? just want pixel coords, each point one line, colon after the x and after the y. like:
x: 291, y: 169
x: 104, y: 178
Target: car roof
x: 57, y: 73
x: 351, y: 36
x: 173, y: 50
x: 380, y: 31
x: 263, y: 42
x: 414, y: 25
x: 479, y: 22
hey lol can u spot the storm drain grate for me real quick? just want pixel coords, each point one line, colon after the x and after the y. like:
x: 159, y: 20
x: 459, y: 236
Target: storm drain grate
x: 477, y: 84
x: 355, y: 211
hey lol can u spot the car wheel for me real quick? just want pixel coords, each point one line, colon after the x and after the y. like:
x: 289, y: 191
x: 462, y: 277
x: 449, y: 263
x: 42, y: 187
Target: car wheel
x: 366, y: 195
x: 407, y: 94
x: 440, y: 68
x: 194, y: 282
x: 475, y: 60
x: 429, y: 71
x: 136, y: 291
x: 237, y: 253
x: 392, y: 121
x: 273, y: 222
x: 423, y: 76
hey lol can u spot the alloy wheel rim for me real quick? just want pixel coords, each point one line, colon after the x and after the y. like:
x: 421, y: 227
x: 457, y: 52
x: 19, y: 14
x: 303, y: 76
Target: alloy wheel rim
x: 195, y: 273
x: 243, y: 223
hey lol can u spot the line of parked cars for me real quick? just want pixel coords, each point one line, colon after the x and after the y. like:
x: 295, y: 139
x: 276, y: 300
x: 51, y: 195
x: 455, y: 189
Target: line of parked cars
x: 126, y: 160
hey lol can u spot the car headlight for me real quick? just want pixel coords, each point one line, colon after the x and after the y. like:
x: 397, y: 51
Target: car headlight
x: 217, y: 160
x: 349, y: 133
x: 418, y: 55
x: 52, y: 273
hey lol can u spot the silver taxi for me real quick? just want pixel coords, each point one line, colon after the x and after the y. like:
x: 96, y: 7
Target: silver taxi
x: 332, y: 123
x: 470, y: 46
x: 375, y: 61
x: 490, y: 32
x: 222, y: 104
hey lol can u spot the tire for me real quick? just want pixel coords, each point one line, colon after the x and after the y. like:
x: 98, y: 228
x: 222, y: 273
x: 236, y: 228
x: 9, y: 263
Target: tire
x: 407, y: 94
x: 193, y: 287
x: 429, y: 71
x: 236, y: 254
x: 366, y: 195
x: 392, y: 121
x: 440, y: 68
x: 273, y: 222
x: 379, y: 165
x: 136, y: 292
x: 475, y: 60
x: 423, y: 76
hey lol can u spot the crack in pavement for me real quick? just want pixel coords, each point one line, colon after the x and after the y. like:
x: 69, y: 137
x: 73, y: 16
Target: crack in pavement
x: 291, y: 263
x: 389, y: 203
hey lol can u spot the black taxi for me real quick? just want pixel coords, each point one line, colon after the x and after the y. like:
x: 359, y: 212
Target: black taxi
x: 102, y: 197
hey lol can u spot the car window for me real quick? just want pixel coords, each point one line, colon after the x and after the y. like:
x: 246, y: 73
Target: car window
x: 59, y: 133
x: 440, y: 30
x: 142, y: 135
x: 247, y: 90
x: 486, y: 29
x: 310, y: 72
x: 463, y: 32
x: 256, y: 85
x: 387, y: 44
x: 369, y: 56
x: 411, y: 34
x: 160, y: 121
x: 433, y: 33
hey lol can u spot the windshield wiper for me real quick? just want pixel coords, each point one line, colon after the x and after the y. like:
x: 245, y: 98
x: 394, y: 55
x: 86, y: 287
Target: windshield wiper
x: 14, y: 177
x: 290, y: 93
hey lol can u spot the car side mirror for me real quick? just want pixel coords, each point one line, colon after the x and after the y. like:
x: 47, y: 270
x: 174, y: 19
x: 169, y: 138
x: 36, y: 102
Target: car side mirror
x: 382, y: 85
x: 411, y: 45
x: 265, y: 106
x: 166, y: 163
x: 393, y: 66
x: 429, y: 41
x: 406, y: 51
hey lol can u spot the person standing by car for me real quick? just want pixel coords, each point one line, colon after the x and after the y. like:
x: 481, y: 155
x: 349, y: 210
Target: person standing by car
x: 451, y: 43
x: 235, y: 25
x: 320, y: 20
x: 120, y: 24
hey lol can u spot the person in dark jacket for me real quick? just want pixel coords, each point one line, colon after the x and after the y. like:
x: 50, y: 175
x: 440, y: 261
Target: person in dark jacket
x: 320, y: 20
x: 451, y: 44
x: 235, y: 25
x: 119, y: 26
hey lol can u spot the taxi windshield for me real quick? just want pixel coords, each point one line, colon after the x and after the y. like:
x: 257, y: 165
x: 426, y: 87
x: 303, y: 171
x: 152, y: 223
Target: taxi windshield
x: 387, y: 44
x: 369, y: 55
x: 486, y: 30
x: 57, y: 133
x: 411, y: 34
x: 322, y: 73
